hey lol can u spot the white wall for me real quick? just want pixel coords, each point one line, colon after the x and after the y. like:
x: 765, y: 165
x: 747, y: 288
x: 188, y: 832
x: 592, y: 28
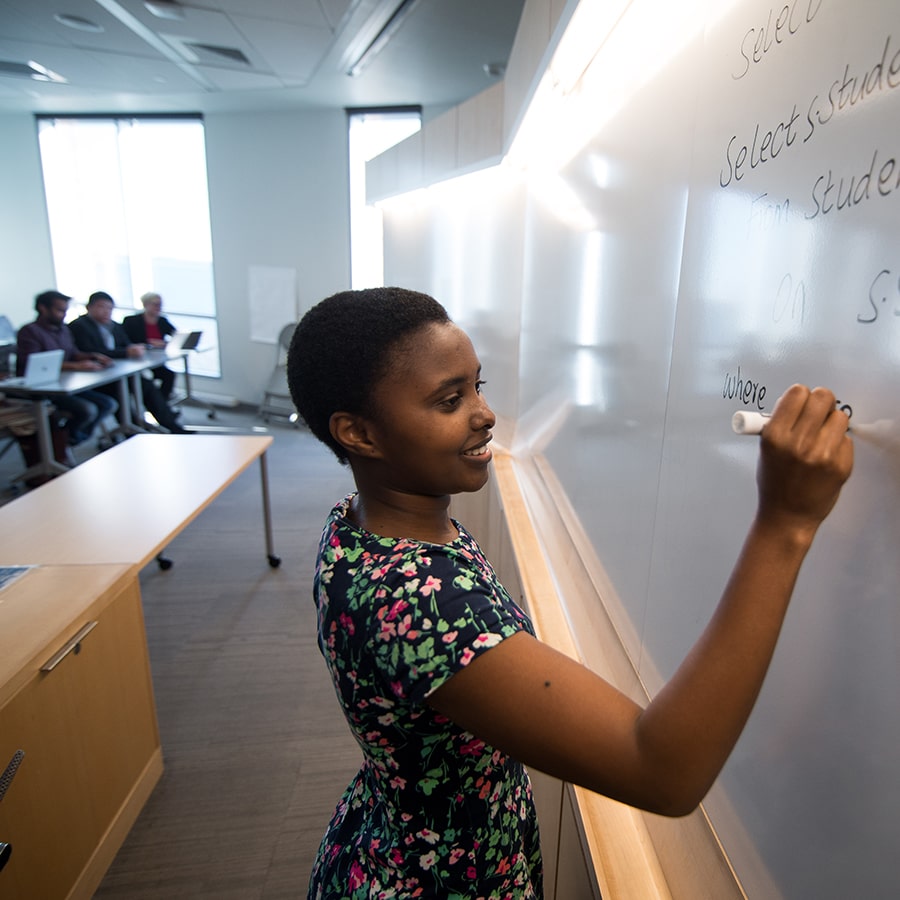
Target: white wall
x: 26, y: 263
x: 278, y: 197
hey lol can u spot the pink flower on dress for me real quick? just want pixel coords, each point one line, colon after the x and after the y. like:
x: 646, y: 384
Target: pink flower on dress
x: 450, y: 637
x: 396, y: 609
x: 474, y: 747
x: 467, y: 656
x: 357, y: 876
x: 488, y: 639
x: 456, y: 854
x: 388, y: 630
x: 431, y: 584
x: 430, y: 837
x: 428, y: 860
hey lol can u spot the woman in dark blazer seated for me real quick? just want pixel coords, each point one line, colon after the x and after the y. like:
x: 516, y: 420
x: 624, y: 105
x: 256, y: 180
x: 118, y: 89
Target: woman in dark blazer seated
x: 95, y: 332
x: 152, y: 328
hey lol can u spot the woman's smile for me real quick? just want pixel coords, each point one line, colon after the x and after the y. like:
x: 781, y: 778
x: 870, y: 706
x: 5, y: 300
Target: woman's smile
x: 482, y: 452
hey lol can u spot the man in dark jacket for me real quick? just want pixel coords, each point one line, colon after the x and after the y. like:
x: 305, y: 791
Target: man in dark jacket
x: 96, y: 331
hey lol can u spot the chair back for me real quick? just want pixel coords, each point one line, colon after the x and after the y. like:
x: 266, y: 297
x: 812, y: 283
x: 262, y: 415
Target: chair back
x: 284, y: 343
x: 7, y: 332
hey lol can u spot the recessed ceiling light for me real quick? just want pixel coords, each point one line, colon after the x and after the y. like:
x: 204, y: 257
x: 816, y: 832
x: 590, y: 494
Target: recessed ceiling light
x: 165, y: 9
x: 78, y: 23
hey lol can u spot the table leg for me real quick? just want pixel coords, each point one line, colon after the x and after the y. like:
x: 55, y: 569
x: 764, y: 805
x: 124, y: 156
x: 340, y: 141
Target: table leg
x: 274, y: 561
x: 188, y: 396
x: 127, y: 425
x: 138, y: 385
x: 187, y: 379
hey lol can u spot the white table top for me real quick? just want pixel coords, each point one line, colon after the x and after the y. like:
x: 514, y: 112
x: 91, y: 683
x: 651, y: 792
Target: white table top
x: 124, y: 505
x: 75, y: 382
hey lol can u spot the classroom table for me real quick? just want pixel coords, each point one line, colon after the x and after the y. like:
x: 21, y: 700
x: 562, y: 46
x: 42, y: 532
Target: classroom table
x: 70, y: 383
x: 126, y: 504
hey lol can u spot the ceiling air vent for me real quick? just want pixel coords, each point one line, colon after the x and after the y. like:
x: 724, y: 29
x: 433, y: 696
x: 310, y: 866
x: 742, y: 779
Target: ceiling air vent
x: 214, y: 53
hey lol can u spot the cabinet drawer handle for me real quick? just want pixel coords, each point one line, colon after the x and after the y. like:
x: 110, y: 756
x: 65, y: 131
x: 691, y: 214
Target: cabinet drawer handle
x: 73, y: 645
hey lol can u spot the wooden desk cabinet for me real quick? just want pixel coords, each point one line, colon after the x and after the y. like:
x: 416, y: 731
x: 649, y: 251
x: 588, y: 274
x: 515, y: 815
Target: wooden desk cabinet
x: 87, y: 727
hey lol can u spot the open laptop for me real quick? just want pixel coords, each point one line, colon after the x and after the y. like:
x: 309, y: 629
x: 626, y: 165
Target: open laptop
x: 183, y: 340
x: 40, y: 369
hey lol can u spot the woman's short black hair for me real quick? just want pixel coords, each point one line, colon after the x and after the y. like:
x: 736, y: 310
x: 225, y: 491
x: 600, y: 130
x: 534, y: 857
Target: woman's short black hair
x: 343, y: 346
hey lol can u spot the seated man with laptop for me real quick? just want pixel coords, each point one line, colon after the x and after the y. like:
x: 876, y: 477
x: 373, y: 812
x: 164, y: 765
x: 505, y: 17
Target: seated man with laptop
x: 82, y: 411
x: 96, y: 331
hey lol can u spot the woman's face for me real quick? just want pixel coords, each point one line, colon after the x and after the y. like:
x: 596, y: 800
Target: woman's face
x: 152, y: 309
x: 432, y: 423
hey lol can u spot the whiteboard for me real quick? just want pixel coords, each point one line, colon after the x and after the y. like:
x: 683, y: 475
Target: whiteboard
x: 694, y: 278
x: 791, y: 272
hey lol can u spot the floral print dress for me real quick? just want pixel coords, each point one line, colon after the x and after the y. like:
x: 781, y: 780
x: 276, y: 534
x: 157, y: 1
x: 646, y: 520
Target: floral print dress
x: 433, y: 811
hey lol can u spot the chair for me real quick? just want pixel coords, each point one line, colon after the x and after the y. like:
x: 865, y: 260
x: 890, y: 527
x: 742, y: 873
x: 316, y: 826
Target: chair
x: 7, y: 345
x: 276, y: 397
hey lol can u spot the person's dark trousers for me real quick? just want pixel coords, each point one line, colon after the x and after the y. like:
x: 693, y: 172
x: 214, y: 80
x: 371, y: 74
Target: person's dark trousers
x: 84, y: 411
x: 157, y: 406
x: 166, y: 378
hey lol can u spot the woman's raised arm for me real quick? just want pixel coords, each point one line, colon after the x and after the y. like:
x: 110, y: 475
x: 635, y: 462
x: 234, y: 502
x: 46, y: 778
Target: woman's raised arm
x: 552, y: 713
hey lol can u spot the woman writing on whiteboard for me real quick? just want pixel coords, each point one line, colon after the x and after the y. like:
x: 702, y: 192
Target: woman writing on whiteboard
x: 438, y: 672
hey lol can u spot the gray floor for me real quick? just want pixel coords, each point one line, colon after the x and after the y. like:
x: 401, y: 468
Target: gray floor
x: 256, y: 751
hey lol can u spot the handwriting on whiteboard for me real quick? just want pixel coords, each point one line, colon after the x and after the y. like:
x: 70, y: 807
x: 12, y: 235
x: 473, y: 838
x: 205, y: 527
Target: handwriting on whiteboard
x: 884, y: 296
x: 744, y: 390
x: 769, y: 140
x: 758, y: 42
x: 836, y: 192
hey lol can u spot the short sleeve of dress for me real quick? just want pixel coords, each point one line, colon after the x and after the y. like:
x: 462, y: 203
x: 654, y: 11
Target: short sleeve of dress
x: 445, y: 608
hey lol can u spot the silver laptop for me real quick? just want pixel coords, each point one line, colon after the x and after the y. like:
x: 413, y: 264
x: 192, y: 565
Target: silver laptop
x: 40, y: 369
